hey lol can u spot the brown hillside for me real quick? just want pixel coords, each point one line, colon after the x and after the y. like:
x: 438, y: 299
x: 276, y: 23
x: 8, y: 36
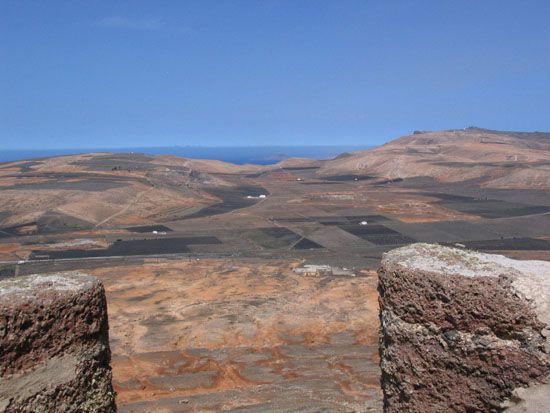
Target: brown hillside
x: 105, y: 189
x: 495, y: 159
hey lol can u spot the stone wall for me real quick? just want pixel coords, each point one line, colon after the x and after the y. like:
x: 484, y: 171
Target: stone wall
x: 463, y: 331
x: 54, y: 345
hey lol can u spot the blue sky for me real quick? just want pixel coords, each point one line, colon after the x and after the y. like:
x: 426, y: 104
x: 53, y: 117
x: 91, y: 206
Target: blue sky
x: 267, y: 72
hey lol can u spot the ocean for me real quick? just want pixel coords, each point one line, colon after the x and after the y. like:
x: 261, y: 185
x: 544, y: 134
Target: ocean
x: 261, y: 155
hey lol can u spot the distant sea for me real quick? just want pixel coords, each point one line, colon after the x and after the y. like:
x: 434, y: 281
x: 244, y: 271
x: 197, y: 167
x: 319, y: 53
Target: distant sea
x: 262, y: 155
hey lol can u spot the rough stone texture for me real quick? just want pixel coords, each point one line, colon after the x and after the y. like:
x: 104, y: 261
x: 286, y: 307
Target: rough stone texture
x: 54, y: 345
x: 463, y: 331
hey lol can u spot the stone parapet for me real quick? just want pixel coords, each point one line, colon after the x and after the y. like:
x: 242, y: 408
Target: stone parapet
x: 463, y: 331
x: 54, y: 345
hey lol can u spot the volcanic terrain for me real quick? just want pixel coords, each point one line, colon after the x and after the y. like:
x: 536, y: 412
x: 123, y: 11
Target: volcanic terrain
x: 251, y: 288
x: 491, y: 158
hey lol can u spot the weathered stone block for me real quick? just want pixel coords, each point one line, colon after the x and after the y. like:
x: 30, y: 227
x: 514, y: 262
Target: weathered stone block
x: 54, y: 345
x: 463, y: 331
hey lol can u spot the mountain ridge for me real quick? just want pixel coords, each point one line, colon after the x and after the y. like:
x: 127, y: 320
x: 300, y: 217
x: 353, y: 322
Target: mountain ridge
x: 495, y: 159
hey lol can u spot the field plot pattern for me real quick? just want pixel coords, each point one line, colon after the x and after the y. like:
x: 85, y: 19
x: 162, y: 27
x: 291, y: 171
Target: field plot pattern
x: 132, y: 247
x: 378, y: 234
x: 205, y: 309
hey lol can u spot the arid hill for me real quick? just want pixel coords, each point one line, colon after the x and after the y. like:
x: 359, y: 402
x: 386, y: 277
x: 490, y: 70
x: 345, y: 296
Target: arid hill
x: 207, y: 165
x: 298, y: 163
x: 99, y: 190
x: 493, y: 159
x: 105, y: 189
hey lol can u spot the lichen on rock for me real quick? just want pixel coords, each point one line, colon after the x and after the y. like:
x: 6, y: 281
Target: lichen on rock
x: 461, y: 330
x: 54, y: 345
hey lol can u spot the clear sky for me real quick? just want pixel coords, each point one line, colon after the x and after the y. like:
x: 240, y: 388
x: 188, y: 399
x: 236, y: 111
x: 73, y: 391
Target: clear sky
x: 267, y: 72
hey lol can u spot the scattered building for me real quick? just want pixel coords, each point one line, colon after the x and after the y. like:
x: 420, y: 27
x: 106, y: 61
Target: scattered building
x: 314, y: 270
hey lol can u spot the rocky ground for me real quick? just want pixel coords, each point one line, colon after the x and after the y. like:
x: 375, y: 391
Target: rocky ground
x: 242, y: 336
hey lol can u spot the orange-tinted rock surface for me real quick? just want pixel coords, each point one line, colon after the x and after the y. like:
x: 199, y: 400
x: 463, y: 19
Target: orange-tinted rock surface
x: 239, y: 335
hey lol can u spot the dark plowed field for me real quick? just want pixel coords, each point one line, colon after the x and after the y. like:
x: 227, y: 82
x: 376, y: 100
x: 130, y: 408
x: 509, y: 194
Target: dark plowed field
x: 487, y: 208
x: 232, y: 199
x: 53, y: 222
x: 344, y: 178
x: 295, y: 220
x: 377, y: 234
x: 389, y: 181
x: 519, y: 244
x: 131, y: 247
x: 360, y: 230
x: 368, y: 218
x: 307, y: 244
x: 85, y: 184
x: 272, y: 238
x: 336, y: 220
x: 320, y: 183
x: 15, y: 230
x: 131, y: 162
x: 389, y: 239
x: 149, y: 228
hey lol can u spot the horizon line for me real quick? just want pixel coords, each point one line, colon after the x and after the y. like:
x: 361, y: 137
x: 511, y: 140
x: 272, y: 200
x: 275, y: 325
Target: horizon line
x: 191, y: 146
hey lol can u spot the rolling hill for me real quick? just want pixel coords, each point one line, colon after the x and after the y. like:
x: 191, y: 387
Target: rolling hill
x: 490, y: 158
